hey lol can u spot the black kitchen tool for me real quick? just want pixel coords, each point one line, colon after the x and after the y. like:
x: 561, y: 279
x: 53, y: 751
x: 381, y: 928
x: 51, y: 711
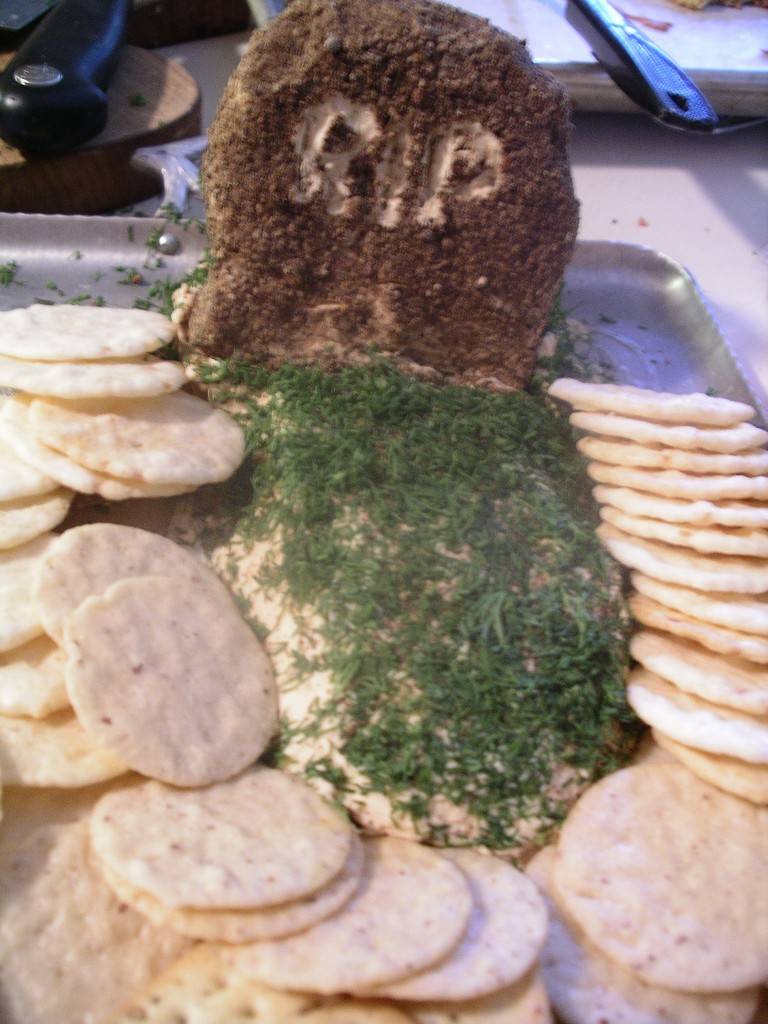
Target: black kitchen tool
x: 52, y: 94
x: 17, y: 14
x: 643, y: 71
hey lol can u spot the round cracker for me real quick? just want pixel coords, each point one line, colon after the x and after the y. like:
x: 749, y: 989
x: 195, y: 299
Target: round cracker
x: 87, y: 560
x: 706, y: 410
x: 69, y: 950
x: 19, y: 615
x: 696, y: 722
x: 410, y: 911
x: 32, y: 679
x: 201, y: 988
x: 666, y: 876
x: 523, y: 1003
x: 102, y: 379
x: 732, y: 682
x: 53, y: 751
x: 20, y: 480
x: 506, y: 931
x: 726, y: 440
x: 174, y: 439
x: 64, y: 332
x: 585, y: 986
x: 743, y: 514
x: 223, y: 847
x: 670, y: 483
x: 714, y: 638
x: 748, y: 781
x: 16, y: 432
x: 26, y: 518
x: 723, y: 541
x: 680, y: 565
x: 238, y: 926
x: 170, y: 680
x: 626, y: 453
x: 734, y: 611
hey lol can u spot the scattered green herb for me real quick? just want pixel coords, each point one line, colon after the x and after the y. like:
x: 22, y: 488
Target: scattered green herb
x: 76, y: 255
x: 130, y: 233
x: 79, y: 300
x: 472, y: 626
x: 8, y: 273
x: 131, y: 275
x: 137, y: 100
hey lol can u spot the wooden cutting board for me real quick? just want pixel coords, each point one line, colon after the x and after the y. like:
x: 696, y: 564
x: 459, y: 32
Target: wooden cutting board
x: 151, y: 100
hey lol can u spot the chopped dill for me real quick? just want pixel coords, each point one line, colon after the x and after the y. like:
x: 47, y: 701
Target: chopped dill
x: 472, y: 626
x: 8, y: 273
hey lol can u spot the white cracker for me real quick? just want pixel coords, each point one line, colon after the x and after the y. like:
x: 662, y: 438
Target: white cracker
x: 665, y: 875
x: 523, y: 1003
x: 716, y: 540
x: 110, y: 378
x: 410, y: 911
x: 173, y: 439
x: 749, y: 781
x: 87, y: 560
x: 682, y: 566
x: 726, y: 440
x: 20, y: 480
x: 696, y: 722
x: 32, y: 679
x: 626, y: 453
x: 239, y: 926
x: 225, y: 847
x: 585, y: 986
x: 733, y: 611
x: 670, y: 483
x: 201, y: 988
x: 506, y: 931
x: 729, y: 681
x: 744, y: 514
x: 715, y: 638
x: 52, y: 751
x: 706, y: 410
x: 16, y: 432
x: 70, y: 953
x: 170, y: 680
x: 19, y: 615
x: 26, y: 518
x: 65, y: 332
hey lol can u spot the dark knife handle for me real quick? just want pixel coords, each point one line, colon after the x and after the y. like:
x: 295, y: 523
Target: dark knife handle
x: 640, y: 68
x: 52, y: 94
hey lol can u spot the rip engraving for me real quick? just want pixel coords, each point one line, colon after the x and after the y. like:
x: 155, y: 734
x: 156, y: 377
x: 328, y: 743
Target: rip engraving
x: 463, y: 161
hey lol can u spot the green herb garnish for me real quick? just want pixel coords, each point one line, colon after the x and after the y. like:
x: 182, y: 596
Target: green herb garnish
x: 8, y: 273
x: 471, y: 624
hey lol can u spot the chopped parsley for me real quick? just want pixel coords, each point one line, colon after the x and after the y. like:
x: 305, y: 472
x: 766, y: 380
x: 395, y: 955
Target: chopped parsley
x: 8, y: 273
x: 472, y: 625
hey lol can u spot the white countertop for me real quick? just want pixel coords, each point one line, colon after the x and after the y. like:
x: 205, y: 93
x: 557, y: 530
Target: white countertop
x: 702, y: 201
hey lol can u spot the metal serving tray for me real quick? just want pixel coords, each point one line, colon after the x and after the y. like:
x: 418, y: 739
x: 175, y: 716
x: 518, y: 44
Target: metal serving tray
x: 646, y: 316
x: 721, y: 48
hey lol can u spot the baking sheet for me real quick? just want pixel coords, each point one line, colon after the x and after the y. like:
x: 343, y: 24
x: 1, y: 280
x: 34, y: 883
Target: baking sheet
x: 645, y: 314
x: 725, y: 50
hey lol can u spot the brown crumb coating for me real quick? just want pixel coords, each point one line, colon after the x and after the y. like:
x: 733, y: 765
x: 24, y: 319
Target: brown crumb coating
x: 390, y: 174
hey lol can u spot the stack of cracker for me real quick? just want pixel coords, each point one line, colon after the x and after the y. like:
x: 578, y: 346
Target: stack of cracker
x: 658, y: 903
x: 160, y: 677
x: 94, y: 411
x: 683, y: 488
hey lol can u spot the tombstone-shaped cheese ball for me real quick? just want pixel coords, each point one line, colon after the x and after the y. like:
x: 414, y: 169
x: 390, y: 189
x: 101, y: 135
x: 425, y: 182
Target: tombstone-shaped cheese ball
x: 389, y: 175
